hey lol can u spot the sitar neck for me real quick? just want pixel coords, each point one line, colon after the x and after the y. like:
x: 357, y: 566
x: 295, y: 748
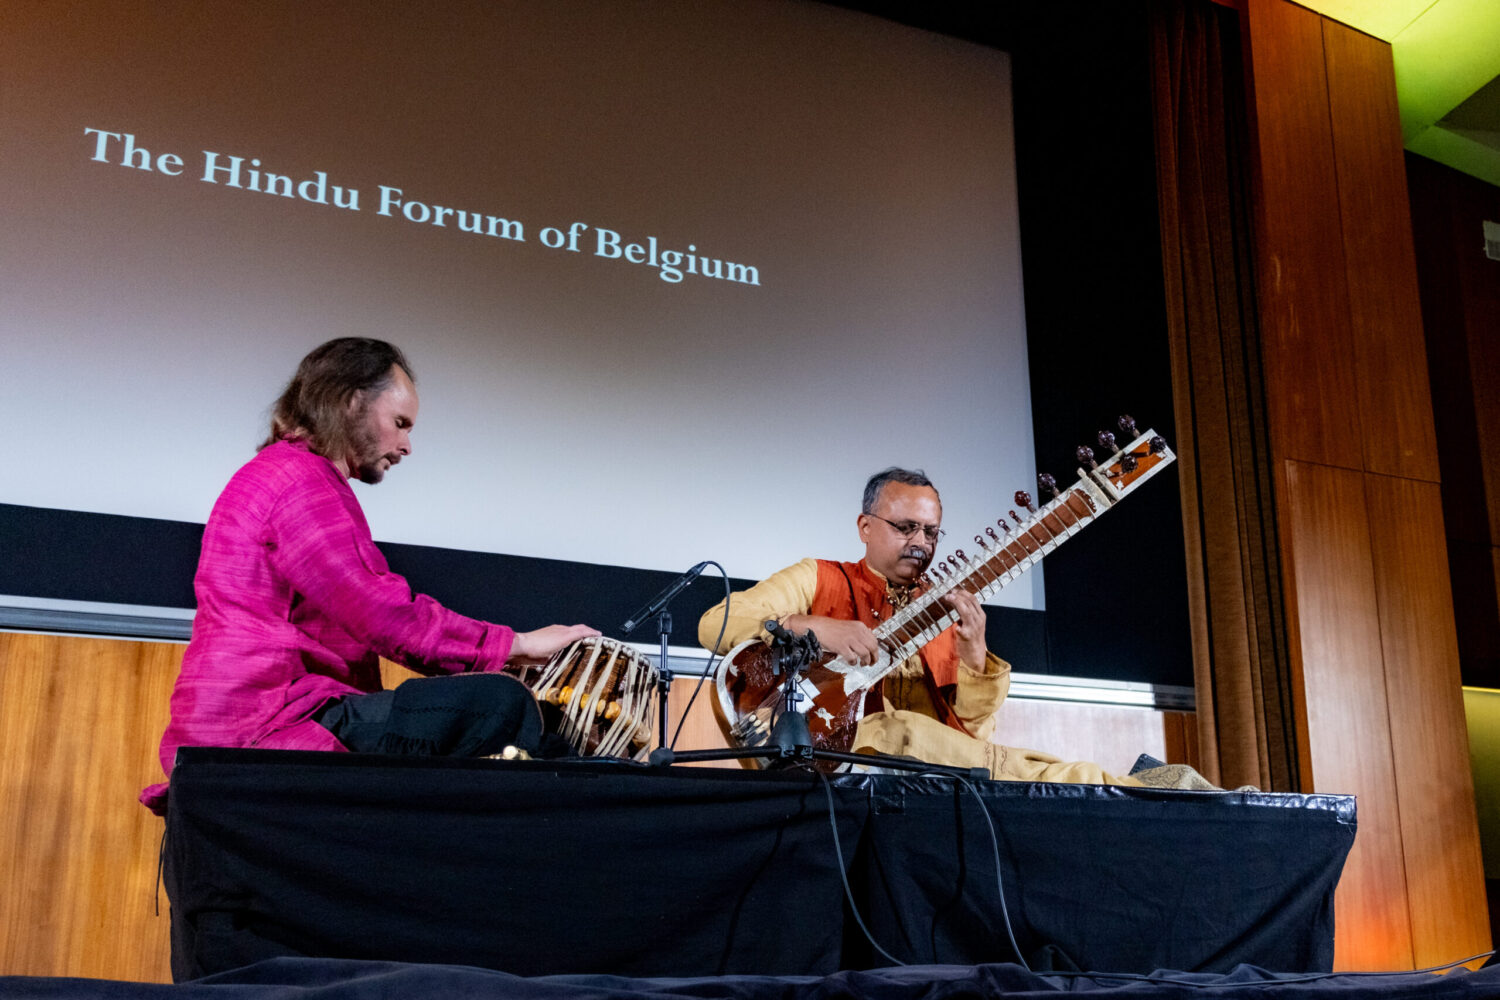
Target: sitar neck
x: 1003, y: 558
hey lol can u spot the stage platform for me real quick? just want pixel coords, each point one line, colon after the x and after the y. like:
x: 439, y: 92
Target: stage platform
x: 536, y: 868
x: 343, y: 979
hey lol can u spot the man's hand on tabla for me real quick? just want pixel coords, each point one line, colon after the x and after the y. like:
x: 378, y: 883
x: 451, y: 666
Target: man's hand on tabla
x: 852, y: 642
x: 532, y: 648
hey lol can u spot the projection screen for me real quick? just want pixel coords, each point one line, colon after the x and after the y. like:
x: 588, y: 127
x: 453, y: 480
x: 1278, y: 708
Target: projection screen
x: 675, y: 277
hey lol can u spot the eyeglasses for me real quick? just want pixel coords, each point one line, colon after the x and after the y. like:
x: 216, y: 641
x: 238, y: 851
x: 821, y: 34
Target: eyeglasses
x: 907, y: 529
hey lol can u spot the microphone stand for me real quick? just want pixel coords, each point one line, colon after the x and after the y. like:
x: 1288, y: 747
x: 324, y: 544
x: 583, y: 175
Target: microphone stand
x: 790, y: 741
x: 657, y: 608
x: 663, y: 676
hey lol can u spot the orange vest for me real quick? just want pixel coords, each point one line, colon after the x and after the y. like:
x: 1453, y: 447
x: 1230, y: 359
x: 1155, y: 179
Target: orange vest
x: 852, y: 591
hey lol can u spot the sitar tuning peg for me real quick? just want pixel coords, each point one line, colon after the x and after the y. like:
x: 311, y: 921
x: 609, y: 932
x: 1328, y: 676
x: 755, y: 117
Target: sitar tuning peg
x: 1015, y: 517
x: 1157, y: 445
x: 1003, y: 526
x: 959, y: 555
x: 1128, y: 462
x: 1023, y: 499
x: 1046, y: 486
x: 1126, y: 423
x: 1085, y: 456
x: 1107, y: 442
x: 979, y: 541
x: 991, y: 532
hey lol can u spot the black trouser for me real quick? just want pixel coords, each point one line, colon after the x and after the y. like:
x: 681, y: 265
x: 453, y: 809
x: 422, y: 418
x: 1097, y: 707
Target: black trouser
x: 469, y: 715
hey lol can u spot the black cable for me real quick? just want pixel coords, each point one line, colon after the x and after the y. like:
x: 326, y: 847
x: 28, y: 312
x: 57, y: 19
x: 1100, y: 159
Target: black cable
x: 995, y: 851
x: 1276, y: 980
x: 161, y: 864
x: 838, y: 852
x: 984, y: 811
x: 709, y: 665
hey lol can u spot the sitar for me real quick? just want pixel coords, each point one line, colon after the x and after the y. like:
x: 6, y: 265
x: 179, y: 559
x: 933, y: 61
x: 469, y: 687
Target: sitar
x: 831, y: 692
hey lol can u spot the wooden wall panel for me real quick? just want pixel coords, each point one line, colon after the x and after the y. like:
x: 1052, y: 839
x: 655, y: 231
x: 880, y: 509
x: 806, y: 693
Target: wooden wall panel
x: 1352, y: 436
x: 701, y: 730
x: 1390, y: 360
x: 79, y: 723
x: 1471, y: 203
x: 1303, y: 296
x: 1460, y: 290
x: 1108, y: 735
x: 1337, y: 653
x: 1429, y: 736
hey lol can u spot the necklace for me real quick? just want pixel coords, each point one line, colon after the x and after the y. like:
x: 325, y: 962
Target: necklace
x: 898, y: 597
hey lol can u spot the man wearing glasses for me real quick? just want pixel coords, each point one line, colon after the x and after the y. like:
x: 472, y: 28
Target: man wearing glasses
x: 938, y: 706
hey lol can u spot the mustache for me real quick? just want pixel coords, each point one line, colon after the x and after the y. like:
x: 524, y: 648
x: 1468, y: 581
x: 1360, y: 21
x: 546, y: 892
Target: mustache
x: 915, y: 552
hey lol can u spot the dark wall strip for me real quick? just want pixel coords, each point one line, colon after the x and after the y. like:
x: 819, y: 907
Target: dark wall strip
x: 69, y: 555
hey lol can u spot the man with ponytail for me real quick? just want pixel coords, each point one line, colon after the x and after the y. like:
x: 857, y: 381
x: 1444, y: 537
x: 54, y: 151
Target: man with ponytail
x: 296, y: 605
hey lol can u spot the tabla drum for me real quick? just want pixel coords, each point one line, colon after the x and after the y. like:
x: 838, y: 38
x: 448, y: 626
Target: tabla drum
x: 605, y: 694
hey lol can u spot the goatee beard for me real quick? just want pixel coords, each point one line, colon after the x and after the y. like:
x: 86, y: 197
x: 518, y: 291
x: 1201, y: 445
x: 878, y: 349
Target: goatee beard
x: 367, y: 464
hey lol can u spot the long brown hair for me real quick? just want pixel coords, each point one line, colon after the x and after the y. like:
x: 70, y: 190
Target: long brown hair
x: 315, y: 405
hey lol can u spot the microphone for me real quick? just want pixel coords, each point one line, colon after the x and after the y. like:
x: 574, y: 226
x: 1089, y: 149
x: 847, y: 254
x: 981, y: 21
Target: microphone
x: 660, y: 601
x: 779, y: 633
x: 796, y: 650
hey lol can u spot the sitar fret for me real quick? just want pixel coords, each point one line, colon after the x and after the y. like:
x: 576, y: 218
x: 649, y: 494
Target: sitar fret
x: 918, y: 624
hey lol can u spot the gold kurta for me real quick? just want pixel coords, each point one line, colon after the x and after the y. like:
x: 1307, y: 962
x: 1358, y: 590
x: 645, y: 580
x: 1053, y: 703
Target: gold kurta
x: 910, y: 726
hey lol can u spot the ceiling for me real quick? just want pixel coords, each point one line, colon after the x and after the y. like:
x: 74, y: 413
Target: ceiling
x: 1446, y: 52
x: 1447, y: 55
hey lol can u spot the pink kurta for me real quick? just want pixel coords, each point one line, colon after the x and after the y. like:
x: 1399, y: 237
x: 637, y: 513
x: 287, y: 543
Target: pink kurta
x: 295, y: 607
